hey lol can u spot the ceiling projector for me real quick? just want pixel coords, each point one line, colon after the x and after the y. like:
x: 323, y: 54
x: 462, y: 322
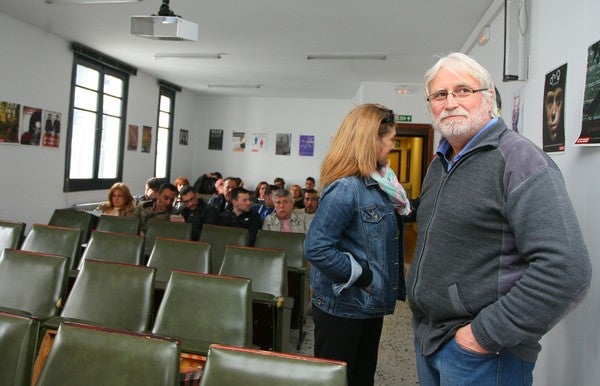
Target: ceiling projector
x: 164, y: 27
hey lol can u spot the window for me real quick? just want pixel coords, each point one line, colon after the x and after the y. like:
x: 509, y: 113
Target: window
x: 94, y: 153
x: 164, y: 135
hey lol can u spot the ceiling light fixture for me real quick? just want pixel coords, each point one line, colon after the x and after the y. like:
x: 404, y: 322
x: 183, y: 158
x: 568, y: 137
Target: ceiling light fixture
x: 402, y: 90
x: 233, y: 85
x: 346, y: 57
x: 164, y: 26
x: 484, y: 35
x: 89, y: 1
x: 186, y: 55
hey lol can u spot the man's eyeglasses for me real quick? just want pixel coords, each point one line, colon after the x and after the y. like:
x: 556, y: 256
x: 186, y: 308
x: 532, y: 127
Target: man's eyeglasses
x: 389, y: 118
x: 462, y: 92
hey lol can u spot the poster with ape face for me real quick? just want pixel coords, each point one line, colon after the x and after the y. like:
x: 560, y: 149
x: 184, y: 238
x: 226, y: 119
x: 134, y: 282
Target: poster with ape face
x: 554, y: 110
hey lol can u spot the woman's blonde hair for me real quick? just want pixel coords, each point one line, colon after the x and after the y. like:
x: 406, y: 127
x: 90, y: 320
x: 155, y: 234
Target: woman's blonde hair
x: 129, y: 205
x: 354, y: 148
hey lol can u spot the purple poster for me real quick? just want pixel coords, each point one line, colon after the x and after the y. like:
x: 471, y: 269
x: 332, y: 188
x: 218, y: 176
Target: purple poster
x: 307, y: 145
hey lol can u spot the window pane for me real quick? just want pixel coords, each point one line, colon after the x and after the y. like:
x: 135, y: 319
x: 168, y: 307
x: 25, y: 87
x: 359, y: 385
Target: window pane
x: 163, y: 120
x: 82, y: 144
x: 85, y: 99
x: 109, y: 147
x: 162, y: 143
x: 165, y: 104
x: 113, y: 86
x: 112, y: 106
x: 87, y: 77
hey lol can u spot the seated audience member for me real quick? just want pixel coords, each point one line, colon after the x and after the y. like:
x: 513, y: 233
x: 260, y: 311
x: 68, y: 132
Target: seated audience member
x: 284, y: 219
x: 205, y: 184
x: 120, y: 201
x: 240, y: 214
x: 259, y: 192
x: 152, y: 186
x: 239, y: 182
x: 297, y: 196
x: 311, y: 202
x: 196, y: 211
x: 221, y: 201
x: 280, y: 182
x: 180, y: 183
x: 160, y: 208
x: 309, y: 183
x: 267, y: 207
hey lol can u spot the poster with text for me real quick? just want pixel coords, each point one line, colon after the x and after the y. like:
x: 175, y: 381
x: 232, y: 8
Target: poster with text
x: 146, y: 139
x: 307, y: 145
x: 132, y: 137
x: 31, y: 126
x: 259, y: 142
x: 9, y: 122
x: 590, y: 120
x: 283, y: 144
x: 215, y: 139
x: 238, y: 141
x: 553, y: 116
x: 52, y: 129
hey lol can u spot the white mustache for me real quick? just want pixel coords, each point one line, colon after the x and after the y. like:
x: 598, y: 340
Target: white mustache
x: 459, y: 111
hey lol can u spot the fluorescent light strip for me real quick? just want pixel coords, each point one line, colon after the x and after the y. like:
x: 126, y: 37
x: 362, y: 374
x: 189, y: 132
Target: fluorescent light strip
x: 89, y: 1
x: 233, y: 85
x: 346, y: 57
x: 186, y: 55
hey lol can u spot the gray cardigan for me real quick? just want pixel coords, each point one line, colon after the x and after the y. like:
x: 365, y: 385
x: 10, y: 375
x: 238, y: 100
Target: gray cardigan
x: 499, y: 246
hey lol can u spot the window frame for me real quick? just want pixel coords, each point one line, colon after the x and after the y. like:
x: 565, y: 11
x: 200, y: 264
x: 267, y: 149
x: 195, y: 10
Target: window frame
x: 170, y: 93
x: 104, y: 69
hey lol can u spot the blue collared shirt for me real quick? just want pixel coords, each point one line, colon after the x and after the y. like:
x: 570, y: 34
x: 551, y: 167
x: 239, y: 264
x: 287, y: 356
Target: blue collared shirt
x: 443, y: 149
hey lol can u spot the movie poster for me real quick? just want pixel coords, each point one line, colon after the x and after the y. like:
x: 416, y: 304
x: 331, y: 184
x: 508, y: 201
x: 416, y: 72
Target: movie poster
x: 9, y: 122
x: 146, y: 139
x: 52, y: 129
x: 215, y: 139
x: 553, y: 115
x: 283, y: 144
x: 590, y: 120
x: 259, y: 142
x: 31, y: 126
x: 132, y: 137
x: 238, y: 141
x: 307, y: 145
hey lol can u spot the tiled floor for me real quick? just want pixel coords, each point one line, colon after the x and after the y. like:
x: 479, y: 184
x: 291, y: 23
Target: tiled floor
x: 396, y: 362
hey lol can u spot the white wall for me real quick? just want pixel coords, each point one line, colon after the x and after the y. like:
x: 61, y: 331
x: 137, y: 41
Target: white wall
x: 318, y: 117
x: 561, y: 34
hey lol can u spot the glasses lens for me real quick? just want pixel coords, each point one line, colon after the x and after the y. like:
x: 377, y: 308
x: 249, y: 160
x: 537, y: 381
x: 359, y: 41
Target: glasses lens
x: 463, y: 92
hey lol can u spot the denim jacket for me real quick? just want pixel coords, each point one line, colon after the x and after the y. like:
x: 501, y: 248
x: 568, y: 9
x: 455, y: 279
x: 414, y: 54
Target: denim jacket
x: 355, y: 221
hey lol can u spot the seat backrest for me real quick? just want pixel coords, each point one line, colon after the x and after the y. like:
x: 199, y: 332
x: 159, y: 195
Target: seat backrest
x: 117, y: 247
x: 183, y: 255
x: 205, y: 308
x: 18, y: 336
x: 174, y: 230
x: 220, y: 236
x: 227, y: 366
x: 33, y: 282
x: 119, y: 224
x: 56, y: 241
x: 11, y: 234
x: 77, y: 219
x: 113, y: 295
x: 265, y: 267
x: 292, y: 243
x: 94, y: 356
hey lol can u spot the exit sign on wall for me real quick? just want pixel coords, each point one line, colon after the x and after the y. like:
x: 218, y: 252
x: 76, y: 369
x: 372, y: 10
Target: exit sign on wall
x: 403, y: 118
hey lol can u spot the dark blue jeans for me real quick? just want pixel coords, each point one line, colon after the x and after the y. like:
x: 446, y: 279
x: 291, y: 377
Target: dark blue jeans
x: 452, y: 365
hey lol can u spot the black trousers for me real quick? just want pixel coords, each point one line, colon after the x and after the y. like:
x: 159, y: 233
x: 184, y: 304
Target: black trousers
x: 355, y: 341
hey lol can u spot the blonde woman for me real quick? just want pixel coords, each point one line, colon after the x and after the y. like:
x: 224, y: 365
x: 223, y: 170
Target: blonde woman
x: 120, y: 201
x: 354, y: 242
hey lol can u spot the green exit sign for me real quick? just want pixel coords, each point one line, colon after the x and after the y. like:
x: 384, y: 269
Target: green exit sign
x: 403, y: 118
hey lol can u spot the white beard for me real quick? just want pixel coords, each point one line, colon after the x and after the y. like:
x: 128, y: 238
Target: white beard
x: 469, y: 125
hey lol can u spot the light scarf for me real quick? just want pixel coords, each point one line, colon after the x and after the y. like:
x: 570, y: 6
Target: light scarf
x: 388, y: 182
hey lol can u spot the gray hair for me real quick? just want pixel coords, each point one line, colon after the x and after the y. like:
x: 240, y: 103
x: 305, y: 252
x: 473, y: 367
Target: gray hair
x: 281, y: 193
x: 458, y: 63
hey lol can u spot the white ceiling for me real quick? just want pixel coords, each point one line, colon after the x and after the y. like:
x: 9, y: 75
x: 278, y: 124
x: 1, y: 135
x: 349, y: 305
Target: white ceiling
x: 266, y: 41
